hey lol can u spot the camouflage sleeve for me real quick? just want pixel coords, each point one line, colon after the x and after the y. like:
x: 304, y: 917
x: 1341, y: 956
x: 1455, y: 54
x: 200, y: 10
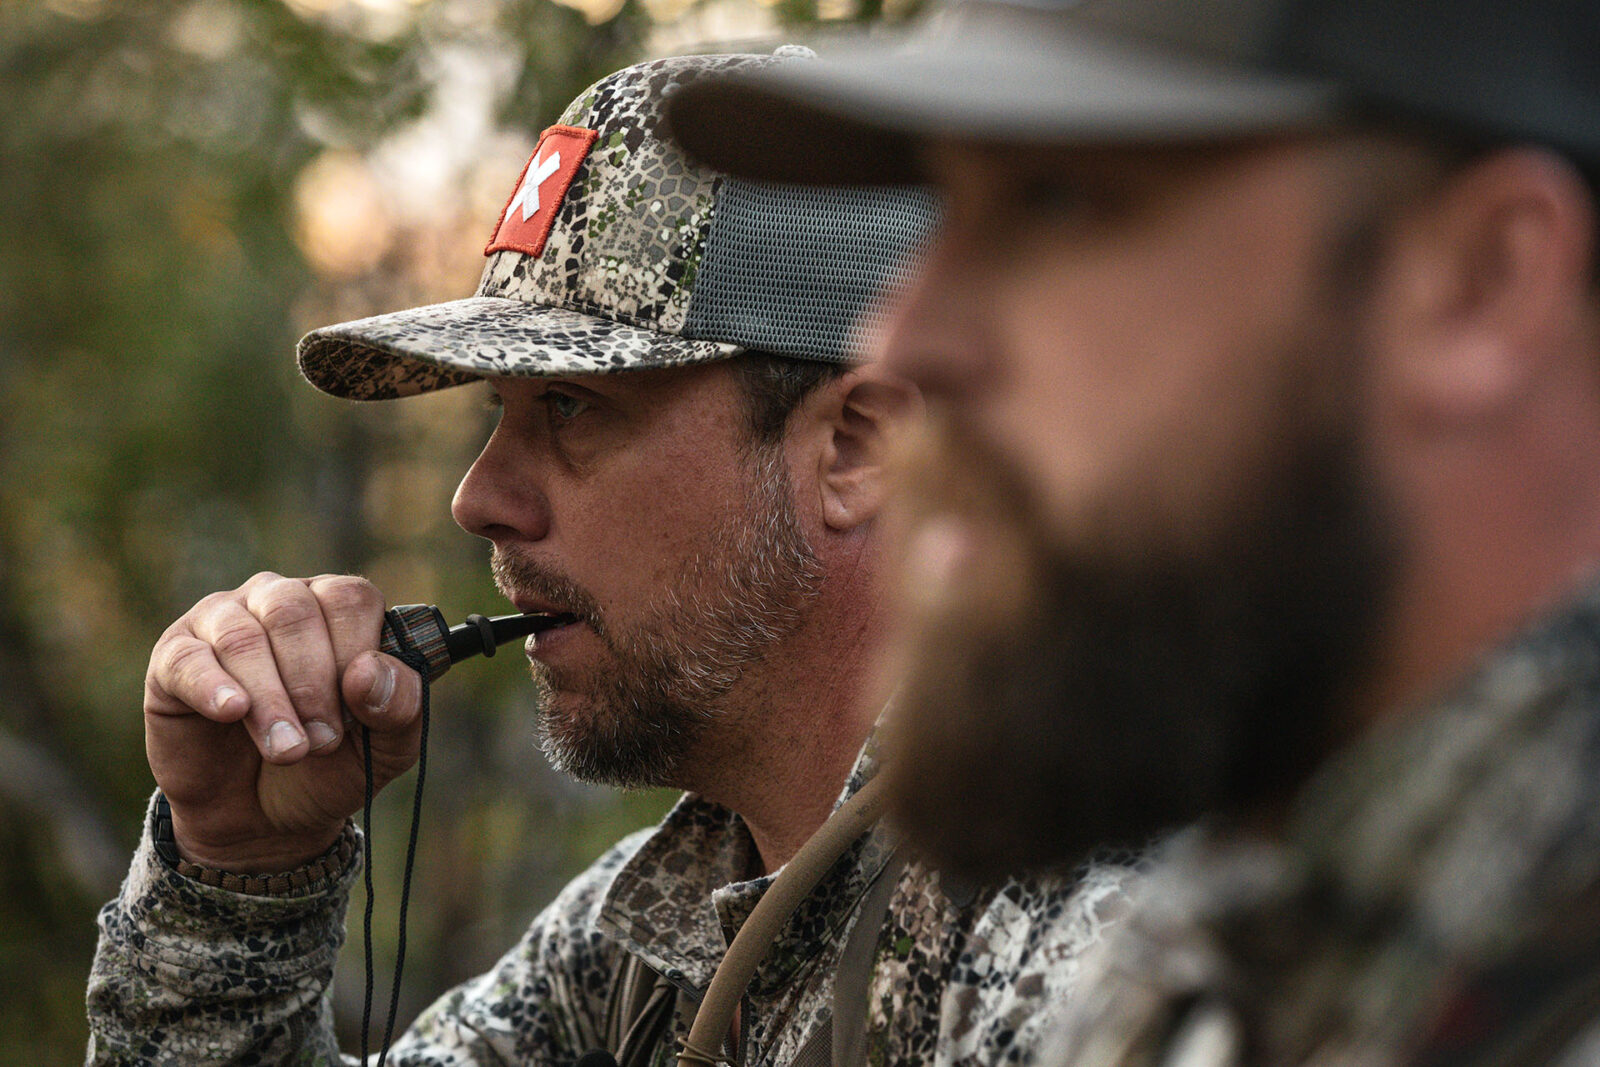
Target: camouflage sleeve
x: 187, y: 973
x: 190, y: 974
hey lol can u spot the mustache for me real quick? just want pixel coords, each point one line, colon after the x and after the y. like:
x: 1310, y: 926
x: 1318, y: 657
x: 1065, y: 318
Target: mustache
x: 516, y: 576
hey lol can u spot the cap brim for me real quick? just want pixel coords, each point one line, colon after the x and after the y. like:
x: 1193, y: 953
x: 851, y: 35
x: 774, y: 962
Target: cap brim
x: 990, y: 72
x: 440, y: 345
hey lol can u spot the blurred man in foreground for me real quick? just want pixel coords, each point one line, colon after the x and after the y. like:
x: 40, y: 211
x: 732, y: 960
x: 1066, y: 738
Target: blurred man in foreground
x: 687, y: 473
x: 1273, y: 331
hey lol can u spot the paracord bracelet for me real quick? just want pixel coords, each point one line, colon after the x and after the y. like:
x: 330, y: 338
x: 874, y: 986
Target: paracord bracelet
x: 313, y: 877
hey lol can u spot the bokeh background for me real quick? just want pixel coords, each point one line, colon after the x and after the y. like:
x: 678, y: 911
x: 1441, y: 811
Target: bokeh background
x: 185, y: 188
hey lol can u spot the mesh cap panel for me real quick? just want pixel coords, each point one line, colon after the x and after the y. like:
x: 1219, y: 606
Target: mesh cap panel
x: 793, y: 269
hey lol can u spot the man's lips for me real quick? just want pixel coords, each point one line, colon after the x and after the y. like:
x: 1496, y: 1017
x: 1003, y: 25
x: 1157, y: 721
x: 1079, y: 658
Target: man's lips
x: 531, y: 605
x: 548, y: 637
x: 559, y: 619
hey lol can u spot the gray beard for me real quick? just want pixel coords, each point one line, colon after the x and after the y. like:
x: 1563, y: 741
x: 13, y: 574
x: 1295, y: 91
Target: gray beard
x: 640, y: 717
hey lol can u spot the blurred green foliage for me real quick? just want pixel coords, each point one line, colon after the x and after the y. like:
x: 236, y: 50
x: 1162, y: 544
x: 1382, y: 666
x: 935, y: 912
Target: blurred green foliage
x: 185, y: 188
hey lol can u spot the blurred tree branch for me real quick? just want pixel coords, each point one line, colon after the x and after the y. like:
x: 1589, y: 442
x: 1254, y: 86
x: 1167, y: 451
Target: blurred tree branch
x: 34, y: 781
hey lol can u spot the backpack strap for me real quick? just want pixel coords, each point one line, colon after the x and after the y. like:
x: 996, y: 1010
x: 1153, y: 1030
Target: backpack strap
x: 639, y: 1013
x: 854, y: 976
x: 761, y: 928
x: 641, y: 1006
x: 841, y: 1039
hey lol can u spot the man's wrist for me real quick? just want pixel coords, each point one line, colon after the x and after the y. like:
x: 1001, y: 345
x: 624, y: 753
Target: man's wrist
x: 316, y: 876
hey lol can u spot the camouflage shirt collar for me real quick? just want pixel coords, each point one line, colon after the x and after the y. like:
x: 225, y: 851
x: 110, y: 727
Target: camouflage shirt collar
x: 1475, y: 818
x: 1486, y: 803
x: 684, y: 895
x: 1424, y: 812
x: 1437, y: 852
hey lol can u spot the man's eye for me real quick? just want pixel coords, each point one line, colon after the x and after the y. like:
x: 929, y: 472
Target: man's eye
x: 565, y: 406
x: 1060, y: 197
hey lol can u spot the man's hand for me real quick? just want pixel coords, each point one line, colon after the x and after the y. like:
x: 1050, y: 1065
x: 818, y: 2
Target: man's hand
x: 250, y: 712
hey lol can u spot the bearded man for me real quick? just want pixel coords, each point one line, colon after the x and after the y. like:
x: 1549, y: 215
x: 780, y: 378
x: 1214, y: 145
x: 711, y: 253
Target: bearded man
x: 687, y: 475
x: 1267, y: 336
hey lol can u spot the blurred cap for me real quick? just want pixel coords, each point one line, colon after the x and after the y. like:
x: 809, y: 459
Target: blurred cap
x: 616, y: 252
x: 1151, y: 71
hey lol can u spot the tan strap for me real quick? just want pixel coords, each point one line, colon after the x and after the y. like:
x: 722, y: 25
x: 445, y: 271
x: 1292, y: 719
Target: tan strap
x: 850, y: 981
x: 755, y: 938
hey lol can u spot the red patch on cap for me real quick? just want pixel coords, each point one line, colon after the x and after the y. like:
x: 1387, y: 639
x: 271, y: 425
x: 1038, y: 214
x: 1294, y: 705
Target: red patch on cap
x: 525, y: 223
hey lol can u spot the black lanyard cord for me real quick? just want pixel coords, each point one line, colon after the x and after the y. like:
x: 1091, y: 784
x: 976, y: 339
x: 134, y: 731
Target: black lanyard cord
x: 412, y: 657
x: 417, y: 636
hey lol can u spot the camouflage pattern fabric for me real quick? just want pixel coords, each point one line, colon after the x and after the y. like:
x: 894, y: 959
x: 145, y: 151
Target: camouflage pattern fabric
x: 194, y: 975
x: 1435, y: 899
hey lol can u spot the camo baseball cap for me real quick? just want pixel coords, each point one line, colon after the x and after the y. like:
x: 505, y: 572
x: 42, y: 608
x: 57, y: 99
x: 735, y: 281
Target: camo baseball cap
x: 616, y: 252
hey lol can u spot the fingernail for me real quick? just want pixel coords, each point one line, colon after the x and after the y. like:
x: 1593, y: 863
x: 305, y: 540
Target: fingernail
x: 322, y: 735
x: 382, y: 688
x: 282, y: 737
x: 224, y: 696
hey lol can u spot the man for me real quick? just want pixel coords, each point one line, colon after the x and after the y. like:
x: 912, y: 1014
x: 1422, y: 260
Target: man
x: 1274, y: 330
x: 687, y: 473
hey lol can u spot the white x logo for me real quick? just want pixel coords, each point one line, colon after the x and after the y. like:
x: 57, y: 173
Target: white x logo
x: 528, y: 195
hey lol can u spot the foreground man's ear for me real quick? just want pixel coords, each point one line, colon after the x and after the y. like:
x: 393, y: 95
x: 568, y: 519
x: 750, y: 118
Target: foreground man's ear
x: 1482, y: 281
x: 858, y: 417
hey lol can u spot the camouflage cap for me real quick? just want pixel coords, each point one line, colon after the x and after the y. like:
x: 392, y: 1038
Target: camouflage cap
x: 616, y: 252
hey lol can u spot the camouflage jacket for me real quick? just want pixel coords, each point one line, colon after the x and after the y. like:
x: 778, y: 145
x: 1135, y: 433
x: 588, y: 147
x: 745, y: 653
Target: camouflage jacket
x: 1435, y: 898
x: 186, y: 973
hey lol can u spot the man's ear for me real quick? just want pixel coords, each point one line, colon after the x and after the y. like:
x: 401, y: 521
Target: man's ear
x: 1481, y: 282
x: 861, y: 414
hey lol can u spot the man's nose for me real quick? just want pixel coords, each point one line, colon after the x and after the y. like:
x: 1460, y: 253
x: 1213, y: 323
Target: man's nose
x: 502, y: 497
x: 934, y: 335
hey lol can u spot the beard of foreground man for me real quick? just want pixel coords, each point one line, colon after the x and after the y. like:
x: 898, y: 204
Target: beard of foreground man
x: 1111, y: 696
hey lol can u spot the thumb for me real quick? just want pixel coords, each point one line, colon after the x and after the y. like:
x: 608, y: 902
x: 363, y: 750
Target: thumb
x: 385, y: 695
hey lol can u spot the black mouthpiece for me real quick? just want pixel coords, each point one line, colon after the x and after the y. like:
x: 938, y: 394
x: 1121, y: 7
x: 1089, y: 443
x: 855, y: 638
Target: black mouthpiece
x: 482, y: 634
x: 422, y: 626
